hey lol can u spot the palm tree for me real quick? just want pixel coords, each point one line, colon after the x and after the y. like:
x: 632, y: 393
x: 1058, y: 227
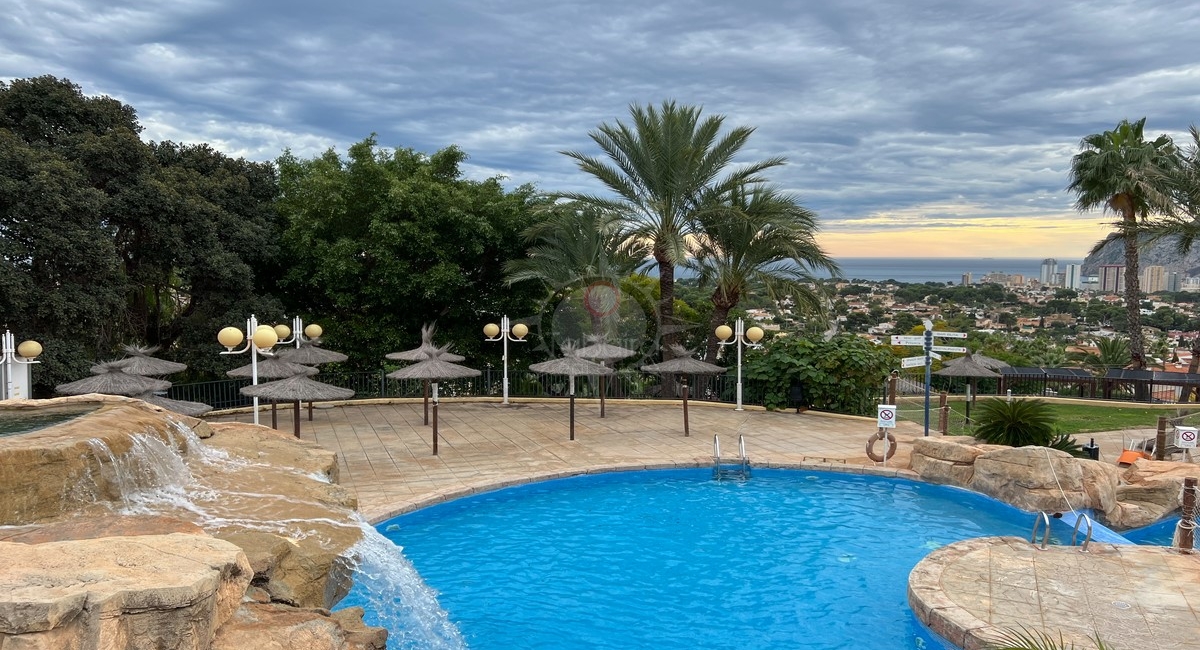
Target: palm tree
x: 661, y: 167
x: 1120, y: 171
x: 577, y: 247
x: 763, y: 237
x: 1110, y: 353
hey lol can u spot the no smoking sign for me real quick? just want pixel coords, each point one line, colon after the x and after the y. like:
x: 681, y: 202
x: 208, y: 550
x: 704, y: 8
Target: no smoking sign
x: 1185, y: 437
x: 887, y: 416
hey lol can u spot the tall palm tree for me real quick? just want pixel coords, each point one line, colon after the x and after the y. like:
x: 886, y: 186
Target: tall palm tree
x: 577, y: 246
x: 660, y: 167
x: 1120, y: 171
x: 1184, y: 225
x: 762, y: 237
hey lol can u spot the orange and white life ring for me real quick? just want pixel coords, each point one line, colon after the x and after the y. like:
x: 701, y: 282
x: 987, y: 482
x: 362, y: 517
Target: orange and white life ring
x: 883, y: 434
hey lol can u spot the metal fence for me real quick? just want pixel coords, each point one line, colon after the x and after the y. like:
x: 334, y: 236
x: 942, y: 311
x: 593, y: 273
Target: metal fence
x: 224, y: 394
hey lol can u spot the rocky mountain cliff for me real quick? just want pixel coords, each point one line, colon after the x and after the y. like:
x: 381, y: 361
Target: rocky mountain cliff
x: 1161, y: 253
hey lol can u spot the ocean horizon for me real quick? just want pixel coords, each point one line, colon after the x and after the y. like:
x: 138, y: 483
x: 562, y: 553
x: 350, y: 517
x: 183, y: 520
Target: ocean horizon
x: 941, y: 269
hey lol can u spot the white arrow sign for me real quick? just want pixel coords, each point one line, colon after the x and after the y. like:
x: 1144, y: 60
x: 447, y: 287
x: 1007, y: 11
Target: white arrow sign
x: 912, y: 362
x: 908, y: 340
x: 950, y: 348
x: 951, y: 335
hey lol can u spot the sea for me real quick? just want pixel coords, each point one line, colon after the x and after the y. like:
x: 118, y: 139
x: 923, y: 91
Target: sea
x: 941, y: 269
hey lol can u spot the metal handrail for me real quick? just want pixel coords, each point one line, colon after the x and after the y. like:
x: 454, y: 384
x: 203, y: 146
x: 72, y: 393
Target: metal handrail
x: 1088, y: 538
x: 1037, y: 521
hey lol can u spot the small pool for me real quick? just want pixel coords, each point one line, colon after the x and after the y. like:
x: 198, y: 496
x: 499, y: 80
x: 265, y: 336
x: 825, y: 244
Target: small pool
x: 673, y: 559
x: 17, y: 421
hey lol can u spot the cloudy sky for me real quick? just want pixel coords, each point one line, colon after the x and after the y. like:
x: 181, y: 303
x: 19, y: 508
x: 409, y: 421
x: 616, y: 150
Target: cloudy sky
x: 936, y: 128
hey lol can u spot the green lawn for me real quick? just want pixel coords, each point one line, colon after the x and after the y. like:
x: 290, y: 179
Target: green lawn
x: 1072, y: 418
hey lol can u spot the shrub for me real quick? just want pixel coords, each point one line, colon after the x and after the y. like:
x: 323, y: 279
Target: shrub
x: 843, y: 375
x: 1022, y: 423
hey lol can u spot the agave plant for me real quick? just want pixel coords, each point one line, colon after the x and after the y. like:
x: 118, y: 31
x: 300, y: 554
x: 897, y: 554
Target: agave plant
x: 1027, y: 639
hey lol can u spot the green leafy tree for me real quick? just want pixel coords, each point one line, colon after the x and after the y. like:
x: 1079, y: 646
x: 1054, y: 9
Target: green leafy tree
x: 383, y: 241
x: 1121, y: 171
x: 662, y: 167
x: 760, y: 237
x: 109, y: 240
x: 843, y: 375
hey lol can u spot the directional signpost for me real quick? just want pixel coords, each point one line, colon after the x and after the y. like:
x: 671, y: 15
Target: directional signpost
x: 931, y: 353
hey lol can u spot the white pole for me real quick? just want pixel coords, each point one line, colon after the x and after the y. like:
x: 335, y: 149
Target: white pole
x: 740, y: 327
x: 9, y: 352
x: 504, y: 356
x: 251, y: 328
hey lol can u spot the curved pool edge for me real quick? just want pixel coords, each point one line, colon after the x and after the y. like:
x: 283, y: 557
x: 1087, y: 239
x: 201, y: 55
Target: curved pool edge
x: 1130, y: 596
x: 491, y: 484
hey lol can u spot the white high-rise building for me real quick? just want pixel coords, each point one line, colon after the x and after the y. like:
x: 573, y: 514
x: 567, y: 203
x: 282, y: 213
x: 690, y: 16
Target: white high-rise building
x: 1049, y: 269
x: 1154, y: 279
x: 966, y: 279
x: 1073, y: 277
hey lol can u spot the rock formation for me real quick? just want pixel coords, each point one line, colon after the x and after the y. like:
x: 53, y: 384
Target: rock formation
x: 1042, y: 479
x: 123, y: 530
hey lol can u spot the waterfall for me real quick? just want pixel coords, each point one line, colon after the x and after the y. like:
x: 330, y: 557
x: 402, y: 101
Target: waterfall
x: 180, y: 476
x: 388, y: 586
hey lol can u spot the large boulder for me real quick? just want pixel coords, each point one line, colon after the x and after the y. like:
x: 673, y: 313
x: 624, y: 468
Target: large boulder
x: 157, y: 592
x: 274, y: 627
x: 945, y: 460
x: 1031, y: 478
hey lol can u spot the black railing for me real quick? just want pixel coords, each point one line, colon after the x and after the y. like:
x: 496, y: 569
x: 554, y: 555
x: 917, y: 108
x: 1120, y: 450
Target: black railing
x: 223, y: 394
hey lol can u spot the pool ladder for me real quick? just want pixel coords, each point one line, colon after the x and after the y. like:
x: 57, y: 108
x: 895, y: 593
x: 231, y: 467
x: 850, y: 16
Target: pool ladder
x: 739, y: 470
x: 1082, y: 519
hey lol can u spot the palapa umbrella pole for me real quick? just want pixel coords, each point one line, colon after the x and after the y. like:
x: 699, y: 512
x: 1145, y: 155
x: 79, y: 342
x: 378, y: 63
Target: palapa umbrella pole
x: 274, y: 417
x: 686, y: 433
x: 426, y: 394
x: 309, y: 411
x: 572, y: 382
x: 296, y: 419
x: 435, y: 422
x: 601, y: 394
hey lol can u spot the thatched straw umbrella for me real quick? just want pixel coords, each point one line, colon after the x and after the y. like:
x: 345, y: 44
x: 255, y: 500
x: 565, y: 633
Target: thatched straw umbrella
x: 310, y: 355
x: 683, y: 364
x: 571, y: 365
x: 420, y: 353
x: 139, y: 362
x: 983, y: 360
x: 433, y: 368
x: 968, y: 366
x: 192, y: 409
x: 273, y: 368
x: 600, y: 350
x: 297, y: 389
x: 110, y: 378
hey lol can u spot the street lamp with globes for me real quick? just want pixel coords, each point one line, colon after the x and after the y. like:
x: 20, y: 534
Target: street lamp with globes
x: 259, y: 338
x: 298, y: 333
x: 743, y: 338
x: 16, y: 356
x: 503, y: 332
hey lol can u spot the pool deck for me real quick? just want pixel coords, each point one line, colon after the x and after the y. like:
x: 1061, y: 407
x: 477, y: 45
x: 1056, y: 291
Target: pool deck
x: 1134, y: 598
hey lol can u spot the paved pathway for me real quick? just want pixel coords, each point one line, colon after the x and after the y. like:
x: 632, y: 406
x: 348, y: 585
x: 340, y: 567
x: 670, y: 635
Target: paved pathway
x: 386, y: 451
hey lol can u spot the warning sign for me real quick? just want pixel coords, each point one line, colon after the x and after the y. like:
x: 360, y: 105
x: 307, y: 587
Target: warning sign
x: 887, y: 416
x: 1185, y: 437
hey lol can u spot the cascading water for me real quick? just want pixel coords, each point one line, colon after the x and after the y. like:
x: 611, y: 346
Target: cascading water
x: 180, y: 476
x: 395, y: 597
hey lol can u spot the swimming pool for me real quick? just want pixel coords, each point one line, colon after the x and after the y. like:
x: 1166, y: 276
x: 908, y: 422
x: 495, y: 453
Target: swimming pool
x: 673, y: 559
x: 16, y: 421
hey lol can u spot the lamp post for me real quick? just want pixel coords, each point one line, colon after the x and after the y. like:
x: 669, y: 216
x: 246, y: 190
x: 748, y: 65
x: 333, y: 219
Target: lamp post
x: 743, y: 338
x: 259, y: 338
x: 16, y: 356
x: 298, y: 333
x: 504, y: 333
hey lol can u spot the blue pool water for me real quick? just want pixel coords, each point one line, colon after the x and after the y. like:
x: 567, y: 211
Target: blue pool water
x: 673, y: 559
